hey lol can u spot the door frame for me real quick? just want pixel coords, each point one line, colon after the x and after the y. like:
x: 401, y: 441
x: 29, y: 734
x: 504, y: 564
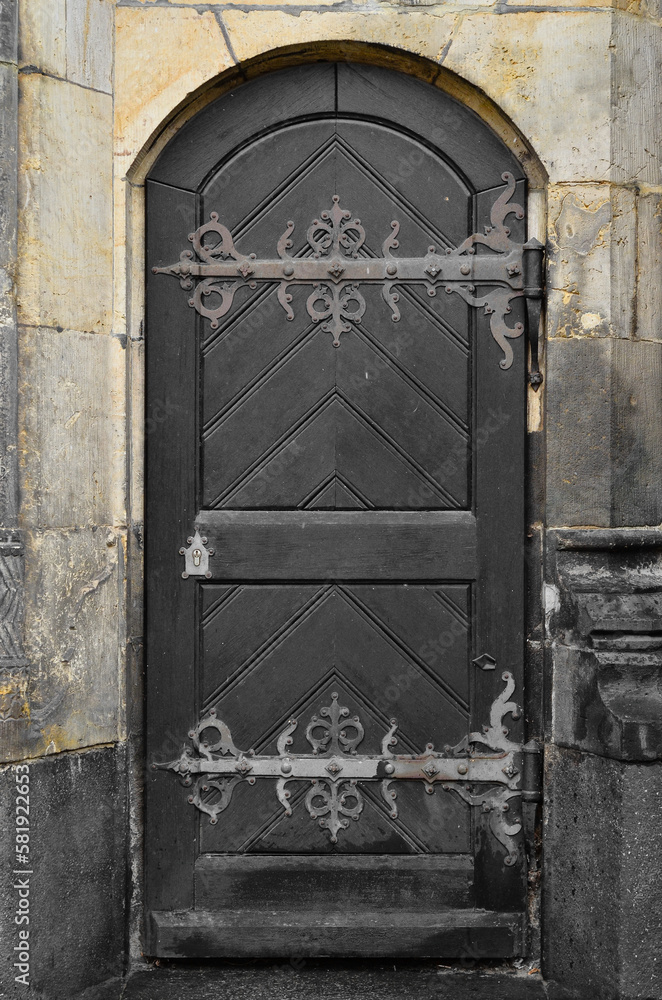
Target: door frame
x: 142, y: 422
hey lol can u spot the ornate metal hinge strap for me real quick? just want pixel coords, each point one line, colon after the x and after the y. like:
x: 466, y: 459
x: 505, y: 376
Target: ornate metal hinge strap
x: 484, y: 769
x: 340, y: 264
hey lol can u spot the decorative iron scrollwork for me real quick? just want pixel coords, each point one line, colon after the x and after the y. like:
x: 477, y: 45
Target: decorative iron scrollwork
x: 215, y: 766
x: 337, y: 263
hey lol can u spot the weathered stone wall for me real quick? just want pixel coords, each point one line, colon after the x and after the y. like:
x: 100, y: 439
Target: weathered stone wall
x: 576, y: 90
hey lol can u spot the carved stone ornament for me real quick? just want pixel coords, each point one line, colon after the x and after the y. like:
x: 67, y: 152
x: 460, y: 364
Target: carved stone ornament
x: 13, y: 664
x: 484, y: 769
x: 336, y: 264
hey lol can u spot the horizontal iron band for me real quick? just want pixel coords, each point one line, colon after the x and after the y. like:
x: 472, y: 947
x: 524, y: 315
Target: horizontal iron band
x: 491, y: 268
x: 503, y: 770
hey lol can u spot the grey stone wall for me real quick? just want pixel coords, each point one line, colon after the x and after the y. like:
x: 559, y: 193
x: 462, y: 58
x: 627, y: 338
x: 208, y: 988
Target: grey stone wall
x: 77, y: 889
x: 603, y: 837
x: 575, y: 89
x: 13, y: 664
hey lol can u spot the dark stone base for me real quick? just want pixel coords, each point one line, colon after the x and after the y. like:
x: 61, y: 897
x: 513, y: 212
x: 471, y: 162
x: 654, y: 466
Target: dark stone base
x: 329, y: 981
x: 78, y: 887
x: 602, y: 893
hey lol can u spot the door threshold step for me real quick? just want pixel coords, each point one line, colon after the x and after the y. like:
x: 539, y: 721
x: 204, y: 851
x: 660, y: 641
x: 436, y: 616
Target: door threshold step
x: 357, y: 933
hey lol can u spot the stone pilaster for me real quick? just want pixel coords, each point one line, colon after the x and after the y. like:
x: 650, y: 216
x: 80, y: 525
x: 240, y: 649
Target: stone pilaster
x: 13, y: 664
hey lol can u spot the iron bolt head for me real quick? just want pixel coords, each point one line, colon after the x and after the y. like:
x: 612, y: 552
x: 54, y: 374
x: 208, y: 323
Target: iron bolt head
x: 336, y: 269
x: 462, y: 768
x: 389, y: 768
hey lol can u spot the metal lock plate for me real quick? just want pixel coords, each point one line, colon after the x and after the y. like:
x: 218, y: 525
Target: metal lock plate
x: 196, y: 556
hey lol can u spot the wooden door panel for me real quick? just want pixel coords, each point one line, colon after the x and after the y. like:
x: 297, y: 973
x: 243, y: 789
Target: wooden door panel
x: 443, y: 123
x: 355, y: 640
x: 371, y: 385
x: 426, y: 824
x: 364, y: 508
x: 329, y: 630
x: 340, y: 544
x: 426, y: 195
x: 239, y: 117
x: 246, y: 436
x: 443, y: 881
x: 235, y: 361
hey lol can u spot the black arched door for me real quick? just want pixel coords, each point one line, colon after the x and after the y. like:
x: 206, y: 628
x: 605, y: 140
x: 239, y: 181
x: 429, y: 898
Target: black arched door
x: 334, y: 525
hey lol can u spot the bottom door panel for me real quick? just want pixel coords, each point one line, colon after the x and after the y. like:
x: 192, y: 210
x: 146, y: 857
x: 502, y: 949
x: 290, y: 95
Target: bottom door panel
x: 384, y: 653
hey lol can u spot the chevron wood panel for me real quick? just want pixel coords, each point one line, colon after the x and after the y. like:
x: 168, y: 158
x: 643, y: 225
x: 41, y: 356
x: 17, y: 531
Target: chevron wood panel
x: 276, y: 651
x: 382, y: 422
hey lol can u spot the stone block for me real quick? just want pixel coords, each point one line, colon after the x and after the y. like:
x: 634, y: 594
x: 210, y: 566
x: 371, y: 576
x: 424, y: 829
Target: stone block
x: 42, y: 41
x: 74, y: 632
x: 636, y: 445
x: 8, y: 250
x: 512, y: 58
x: 9, y: 31
x: 591, y: 264
x: 578, y: 431
x: 608, y: 700
x: 649, y: 265
x: 78, y: 874
x: 89, y: 43
x: 602, y: 900
x: 72, y: 437
x: 636, y: 55
x: 604, y: 405
x: 8, y: 168
x: 252, y: 32
x: 65, y: 197
x: 606, y: 632
x: 297, y: 979
x: 641, y: 883
x: 162, y: 56
x: 69, y: 39
x: 550, y: 73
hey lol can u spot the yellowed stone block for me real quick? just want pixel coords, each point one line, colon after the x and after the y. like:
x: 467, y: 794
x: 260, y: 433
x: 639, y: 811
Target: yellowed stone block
x: 90, y: 43
x: 161, y: 57
x: 65, y: 206
x: 636, y: 47
x: 70, y: 39
x: 591, y: 266
x: 649, y: 265
x: 550, y: 73
x: 42, y: 35
x: 253, y: 33
x: 72, y: 420
x: 74, y: 597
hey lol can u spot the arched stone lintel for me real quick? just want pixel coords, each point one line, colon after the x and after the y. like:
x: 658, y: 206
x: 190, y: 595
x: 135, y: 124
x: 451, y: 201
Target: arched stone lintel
x: 342, y: 51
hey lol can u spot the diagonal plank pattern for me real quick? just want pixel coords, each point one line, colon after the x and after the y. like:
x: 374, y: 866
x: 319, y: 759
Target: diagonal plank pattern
x: 281, y: 649
x: 288, y: 424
